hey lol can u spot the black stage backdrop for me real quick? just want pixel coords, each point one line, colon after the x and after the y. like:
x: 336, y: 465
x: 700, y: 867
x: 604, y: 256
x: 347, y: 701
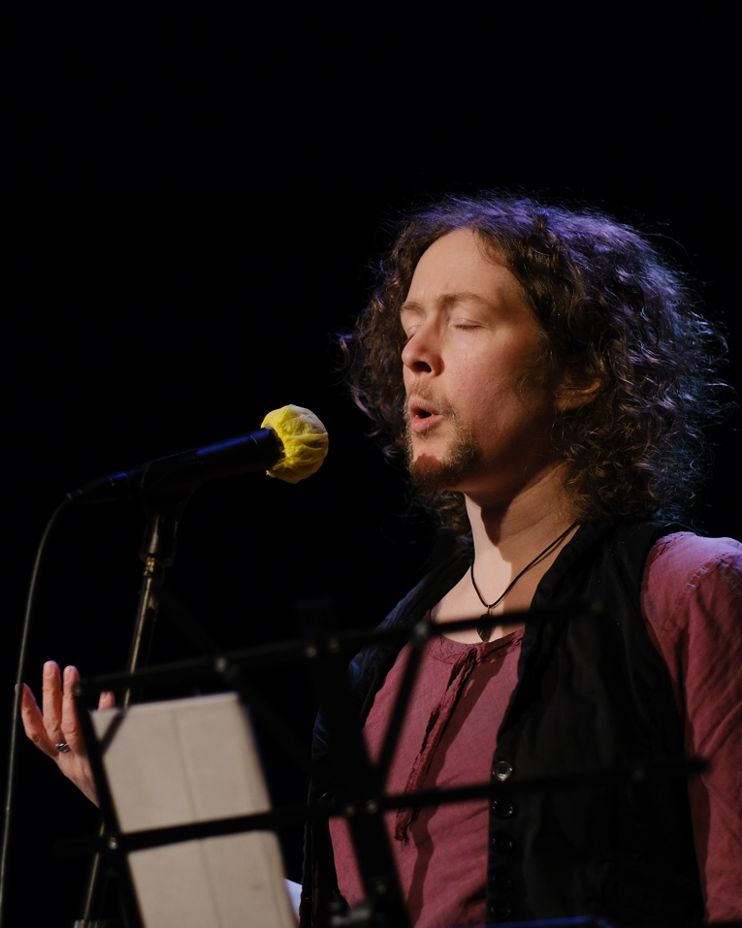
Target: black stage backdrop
x: 138, y: 325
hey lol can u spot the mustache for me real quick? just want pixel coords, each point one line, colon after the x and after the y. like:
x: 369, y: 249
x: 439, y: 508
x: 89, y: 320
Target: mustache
x: 428, y: 398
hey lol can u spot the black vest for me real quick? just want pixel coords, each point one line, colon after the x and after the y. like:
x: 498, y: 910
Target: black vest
x: 593, y: 695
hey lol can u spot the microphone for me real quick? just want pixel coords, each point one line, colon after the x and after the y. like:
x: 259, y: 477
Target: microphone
x: 291, y: 444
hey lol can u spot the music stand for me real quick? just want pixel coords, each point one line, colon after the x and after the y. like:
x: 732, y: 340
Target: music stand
x: 364, y: 807
x: 184, y: 761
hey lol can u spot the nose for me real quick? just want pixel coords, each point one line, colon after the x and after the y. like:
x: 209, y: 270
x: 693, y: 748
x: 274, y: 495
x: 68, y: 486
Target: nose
x: 421, y: 353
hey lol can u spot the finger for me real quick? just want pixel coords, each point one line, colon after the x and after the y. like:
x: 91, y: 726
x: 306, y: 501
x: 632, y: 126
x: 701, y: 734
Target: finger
x: 70, y: 723
x: 33, y: 723
x: 106, y: 700
x: 51, y: 701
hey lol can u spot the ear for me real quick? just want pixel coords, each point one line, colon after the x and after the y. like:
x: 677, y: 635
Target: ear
x: 577, y: 388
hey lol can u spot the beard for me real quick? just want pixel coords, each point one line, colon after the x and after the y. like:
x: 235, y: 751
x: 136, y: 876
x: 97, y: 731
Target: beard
x: 430, y: 473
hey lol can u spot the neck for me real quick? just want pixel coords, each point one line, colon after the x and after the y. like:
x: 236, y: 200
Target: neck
x: 514, y: 545
x: 515, y: 530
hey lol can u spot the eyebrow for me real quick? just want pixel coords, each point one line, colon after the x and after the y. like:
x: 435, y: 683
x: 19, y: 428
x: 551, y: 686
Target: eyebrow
x: 447, y: 300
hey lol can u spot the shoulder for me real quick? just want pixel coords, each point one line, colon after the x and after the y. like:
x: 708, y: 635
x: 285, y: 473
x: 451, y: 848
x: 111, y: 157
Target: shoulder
x: 372, y: 663
x: 685, y: 571
x: 687, y: 558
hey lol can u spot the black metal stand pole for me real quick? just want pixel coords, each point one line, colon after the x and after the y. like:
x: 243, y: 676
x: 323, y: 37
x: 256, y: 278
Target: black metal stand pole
x: 157, y: 553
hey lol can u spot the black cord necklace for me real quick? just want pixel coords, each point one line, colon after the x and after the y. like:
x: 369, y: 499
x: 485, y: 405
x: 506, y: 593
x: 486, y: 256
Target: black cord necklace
x: 484, y: 626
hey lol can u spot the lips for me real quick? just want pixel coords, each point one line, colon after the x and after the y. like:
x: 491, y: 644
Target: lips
x: 423, y: 415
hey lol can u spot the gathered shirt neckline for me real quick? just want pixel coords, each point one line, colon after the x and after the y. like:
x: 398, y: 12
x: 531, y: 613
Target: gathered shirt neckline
x: 464, y: 658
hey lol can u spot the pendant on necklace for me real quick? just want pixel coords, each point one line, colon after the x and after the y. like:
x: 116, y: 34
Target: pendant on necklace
x: 484, y: 626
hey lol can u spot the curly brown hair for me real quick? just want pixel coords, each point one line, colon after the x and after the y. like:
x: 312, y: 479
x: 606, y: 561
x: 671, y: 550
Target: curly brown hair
x: 608, y: 302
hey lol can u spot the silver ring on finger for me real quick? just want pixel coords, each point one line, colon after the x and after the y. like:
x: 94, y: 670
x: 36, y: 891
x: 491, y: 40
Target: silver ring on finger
x: 62, y: 747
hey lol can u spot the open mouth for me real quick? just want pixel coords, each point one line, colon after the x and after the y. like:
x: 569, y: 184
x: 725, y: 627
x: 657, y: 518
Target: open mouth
x: 422, y: 416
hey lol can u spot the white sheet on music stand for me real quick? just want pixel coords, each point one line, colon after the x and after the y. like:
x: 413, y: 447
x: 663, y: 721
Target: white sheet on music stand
x: 188, y: 760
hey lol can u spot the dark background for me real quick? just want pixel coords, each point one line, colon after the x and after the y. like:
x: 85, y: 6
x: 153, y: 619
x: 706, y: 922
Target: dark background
x: 177, y: 258
x: 139, y: 325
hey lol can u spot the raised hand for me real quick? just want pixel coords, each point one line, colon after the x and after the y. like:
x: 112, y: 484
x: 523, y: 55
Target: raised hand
x: 55, y: 728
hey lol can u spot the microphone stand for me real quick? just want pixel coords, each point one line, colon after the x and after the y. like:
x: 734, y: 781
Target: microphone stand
x: 157, y: 553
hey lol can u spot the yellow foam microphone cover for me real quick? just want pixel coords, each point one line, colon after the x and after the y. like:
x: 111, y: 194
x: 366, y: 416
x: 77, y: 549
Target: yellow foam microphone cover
x: 304, y: 439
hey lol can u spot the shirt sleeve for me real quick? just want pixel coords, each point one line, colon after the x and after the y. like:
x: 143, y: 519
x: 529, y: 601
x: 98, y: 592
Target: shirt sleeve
x: 692, y: 602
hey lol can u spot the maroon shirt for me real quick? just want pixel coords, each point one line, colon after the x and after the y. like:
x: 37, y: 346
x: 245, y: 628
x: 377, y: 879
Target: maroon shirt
x: 692, y: 601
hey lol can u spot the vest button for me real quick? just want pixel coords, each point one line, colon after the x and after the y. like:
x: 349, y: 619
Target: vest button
x: 500, y: 910
x: 502, y: 770
x: 501, y: 879
x: 502, y: 842
x: 504, y: 808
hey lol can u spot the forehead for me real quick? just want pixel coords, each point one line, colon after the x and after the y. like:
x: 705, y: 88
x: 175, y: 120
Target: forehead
x: 460, y: 263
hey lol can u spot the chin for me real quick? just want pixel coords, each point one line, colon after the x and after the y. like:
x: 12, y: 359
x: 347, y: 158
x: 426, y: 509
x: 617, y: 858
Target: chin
x: 448, y: 466
x: 430, y: 472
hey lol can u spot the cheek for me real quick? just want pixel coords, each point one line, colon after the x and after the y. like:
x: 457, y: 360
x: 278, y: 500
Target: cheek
x: 491, y: 404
